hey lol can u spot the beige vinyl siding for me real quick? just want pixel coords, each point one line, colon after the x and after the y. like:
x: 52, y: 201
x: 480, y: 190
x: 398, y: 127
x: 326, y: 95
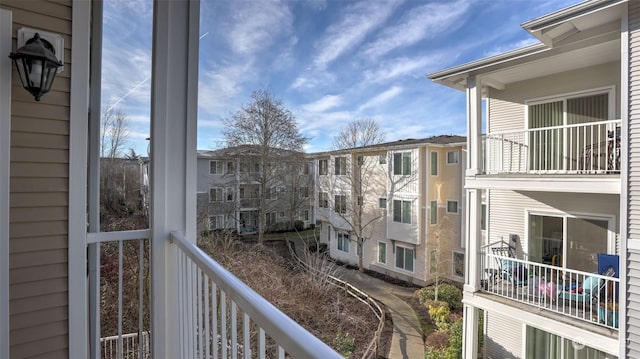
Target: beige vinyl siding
x: 508, y: 209
x: 633, y: 199
x: 503, y: 337
x: 506, y: 107
x: 39, y: 197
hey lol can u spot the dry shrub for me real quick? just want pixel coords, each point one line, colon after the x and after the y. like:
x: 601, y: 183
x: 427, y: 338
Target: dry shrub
x: 320, y: 308
x: 438, y: 339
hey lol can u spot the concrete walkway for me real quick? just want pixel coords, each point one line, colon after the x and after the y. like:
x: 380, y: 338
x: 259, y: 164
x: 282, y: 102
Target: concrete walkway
x: 406, y: 342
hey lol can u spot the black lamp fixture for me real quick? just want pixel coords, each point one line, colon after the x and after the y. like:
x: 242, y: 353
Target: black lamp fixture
x: 37, y: 65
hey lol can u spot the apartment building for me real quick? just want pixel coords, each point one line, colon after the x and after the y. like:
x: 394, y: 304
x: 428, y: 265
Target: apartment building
x: 230, y: 183
x: 556, y: 273
x: 50, y: 268
x: 395, y: 208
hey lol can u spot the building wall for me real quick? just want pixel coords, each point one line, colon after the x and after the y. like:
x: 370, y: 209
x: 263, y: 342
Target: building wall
x: 508, y: 211
x: 445, y: 236
x: 504, y: 337
x: 507, y: 107
x: 633, y: 188
x: 39, y: 195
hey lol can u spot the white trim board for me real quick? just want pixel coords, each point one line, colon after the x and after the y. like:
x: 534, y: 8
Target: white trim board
x: 5, y: 147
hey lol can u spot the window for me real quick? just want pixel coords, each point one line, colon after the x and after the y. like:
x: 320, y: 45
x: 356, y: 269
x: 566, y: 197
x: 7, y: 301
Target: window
x: 215, y: 195
x: 552, y: 151
x: 340, y: 166
x: 323, y: 200
x: 434, y: 212
x: 229, y: 192
x: 216, y: 168
x: 281, y: 214
x: 434, y: 163
x: 452, y: 206
x: 360, y: 160
x: 271, y: 218
x: 402, y: 211
x: 323, y: 167
x: 304, y: 192
x: 340, y: 203
x: 343, y: 242
x: 404, y: 258
x: 483, y: 218
x: 452, y: 157
x: 541, y: 344
x: 548, y: 234
x: 271, y: 193
x: 382, y: 203
x: 216, y: 222
x: 305, y: 215
x: 458, y: 264
x: 382, y: 252
x: 305, y: 169
x: 402, y: 164
x: 382, y: 159
x: 230, y: 167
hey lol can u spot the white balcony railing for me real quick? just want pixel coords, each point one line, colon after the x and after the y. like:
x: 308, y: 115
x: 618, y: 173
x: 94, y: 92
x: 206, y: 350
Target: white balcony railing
x: 219, y: 315
x: 585, y: 296
x: 586, y: 148
x: 222, y: 317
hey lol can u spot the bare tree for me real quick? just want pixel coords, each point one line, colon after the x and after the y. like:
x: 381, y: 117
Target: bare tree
x: 272, y: 132
x: 360, y: 215
x: 113, y: 133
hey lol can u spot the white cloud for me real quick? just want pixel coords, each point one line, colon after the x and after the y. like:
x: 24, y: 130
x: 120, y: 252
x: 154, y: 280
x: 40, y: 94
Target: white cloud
x: 511, y: 46
x: 325, y: 103
x: 256, y: 25
x: 404, y: 66
x: 382, y: 98
x: 358, y: 21
x: 221, y: 86
x: 419, y: 23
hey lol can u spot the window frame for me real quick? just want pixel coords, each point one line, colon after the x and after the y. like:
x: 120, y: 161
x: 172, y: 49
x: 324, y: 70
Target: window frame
x: 382, y: 159
x: 384, y: 258
x: 212, y: 222
x: 404, y: 256
x: 456, y: 156
x: 453, y: 263
x: 433, y: 163
x: 402, y: 215
x: 340, y: 208
x: 340, y: 166
x: 382, y: 200
x: 402, y: 163
x: 323, y: 167
x: 342, y: 241
x: 218, y: 167
x: 216, y: 198
x: 450, y: 201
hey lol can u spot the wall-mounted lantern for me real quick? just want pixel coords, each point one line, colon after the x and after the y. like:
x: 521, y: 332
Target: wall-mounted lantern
x: 37, y: 65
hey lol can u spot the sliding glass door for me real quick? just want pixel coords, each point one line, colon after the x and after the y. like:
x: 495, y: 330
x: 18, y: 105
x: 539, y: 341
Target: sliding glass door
x: 543, y: 345
x: 568, y: 242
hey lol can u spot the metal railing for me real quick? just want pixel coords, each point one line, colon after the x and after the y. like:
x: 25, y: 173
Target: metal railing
x: 128, y: 344
x: 585, y: 296
x: 585, y: 148
x: 222, y: 317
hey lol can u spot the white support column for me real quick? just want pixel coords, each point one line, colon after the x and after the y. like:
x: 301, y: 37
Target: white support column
x: 474, y: 126
x: 470, y: 332
x: 78, y: 142
x: 473, y: 241
x: 173, y: 158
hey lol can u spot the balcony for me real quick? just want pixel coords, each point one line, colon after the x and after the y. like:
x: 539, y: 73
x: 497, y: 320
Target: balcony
x: 579, y: 297
x: 580, y: 149
x: 218, y: 315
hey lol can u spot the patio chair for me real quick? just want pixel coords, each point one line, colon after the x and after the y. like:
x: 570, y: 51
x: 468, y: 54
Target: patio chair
x: 508, y: 269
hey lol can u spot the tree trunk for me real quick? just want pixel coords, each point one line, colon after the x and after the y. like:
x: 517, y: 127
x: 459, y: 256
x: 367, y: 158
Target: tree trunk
x: 360, y: 256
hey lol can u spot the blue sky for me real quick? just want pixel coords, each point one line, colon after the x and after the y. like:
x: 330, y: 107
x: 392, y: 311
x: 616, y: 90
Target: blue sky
x: 329, y: 61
